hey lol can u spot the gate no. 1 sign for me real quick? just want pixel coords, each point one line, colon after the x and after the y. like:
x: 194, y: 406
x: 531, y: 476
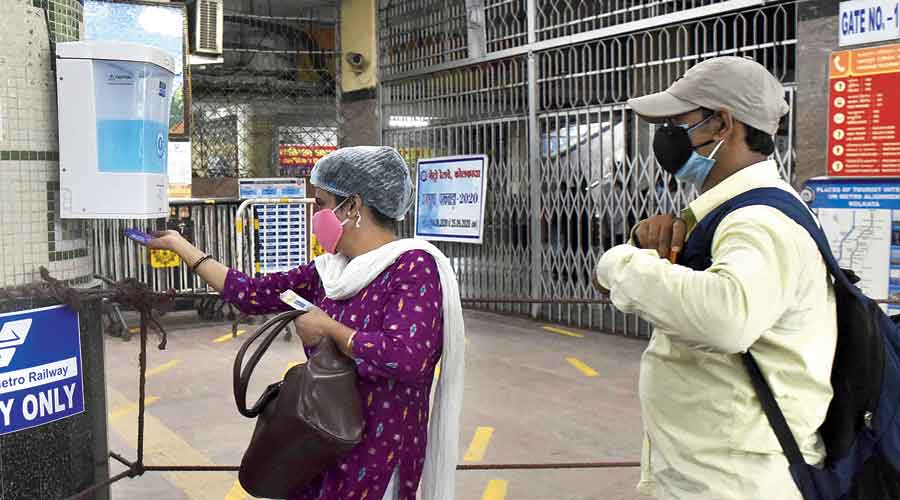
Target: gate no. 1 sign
x: 40, y: 368
x: 868, y: 21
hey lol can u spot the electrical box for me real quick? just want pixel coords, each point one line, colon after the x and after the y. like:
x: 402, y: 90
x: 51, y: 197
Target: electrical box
x: 114, y: 101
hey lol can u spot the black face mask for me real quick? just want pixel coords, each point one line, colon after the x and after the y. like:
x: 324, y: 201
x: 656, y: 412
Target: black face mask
x: 672, y: 145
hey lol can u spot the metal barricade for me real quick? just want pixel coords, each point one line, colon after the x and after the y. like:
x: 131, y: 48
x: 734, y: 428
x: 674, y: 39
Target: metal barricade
x: 279, y: 239
x: 209, y: 224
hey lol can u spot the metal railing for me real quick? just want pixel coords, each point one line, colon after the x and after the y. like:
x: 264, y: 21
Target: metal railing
x: 209, y: 224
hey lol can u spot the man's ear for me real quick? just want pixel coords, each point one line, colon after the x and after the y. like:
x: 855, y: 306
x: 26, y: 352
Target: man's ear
x: 727, y: 125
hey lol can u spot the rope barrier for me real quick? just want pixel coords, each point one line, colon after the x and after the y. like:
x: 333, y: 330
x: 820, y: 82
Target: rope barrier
x: 151, y: 305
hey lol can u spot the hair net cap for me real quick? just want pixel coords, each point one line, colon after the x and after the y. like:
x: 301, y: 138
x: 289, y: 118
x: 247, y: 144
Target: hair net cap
x: 377, y: 174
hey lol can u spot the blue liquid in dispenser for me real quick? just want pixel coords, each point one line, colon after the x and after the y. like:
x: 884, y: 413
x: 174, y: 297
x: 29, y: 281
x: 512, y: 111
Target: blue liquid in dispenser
x: 132, y: 146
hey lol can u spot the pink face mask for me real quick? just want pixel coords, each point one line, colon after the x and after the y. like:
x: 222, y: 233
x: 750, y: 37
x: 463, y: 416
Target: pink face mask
x: 328, y: 229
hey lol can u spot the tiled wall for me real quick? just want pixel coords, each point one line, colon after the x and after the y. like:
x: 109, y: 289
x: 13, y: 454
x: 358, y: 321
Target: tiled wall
x: 65, y: 17
x: 30, y: 233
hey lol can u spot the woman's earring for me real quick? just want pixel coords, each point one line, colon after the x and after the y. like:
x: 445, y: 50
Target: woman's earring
x: 358, y: 218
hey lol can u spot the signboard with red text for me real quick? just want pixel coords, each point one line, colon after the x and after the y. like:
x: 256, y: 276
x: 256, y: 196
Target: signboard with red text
x: 864, y: 119
x: 299, y: 155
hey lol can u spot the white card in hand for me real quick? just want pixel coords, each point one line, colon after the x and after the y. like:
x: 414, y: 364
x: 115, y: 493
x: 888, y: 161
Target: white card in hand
x: 291, y: 298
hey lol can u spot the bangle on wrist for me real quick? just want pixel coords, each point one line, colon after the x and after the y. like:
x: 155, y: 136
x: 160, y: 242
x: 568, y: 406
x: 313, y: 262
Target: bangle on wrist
x: 350, y: 342
x: 203, y: 259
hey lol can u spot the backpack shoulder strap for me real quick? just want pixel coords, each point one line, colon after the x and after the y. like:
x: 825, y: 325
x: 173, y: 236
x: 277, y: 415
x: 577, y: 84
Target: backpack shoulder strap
x: 773, y: 412
x: 789, y: 205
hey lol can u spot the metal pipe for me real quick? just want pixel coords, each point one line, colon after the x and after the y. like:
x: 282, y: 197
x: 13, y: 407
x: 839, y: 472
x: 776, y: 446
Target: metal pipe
x: 461, y: 467
x: 534, y: 158
x: 549, y: 466
x: 90, y: 491
x: 192, y: 468
x: 124, y: 461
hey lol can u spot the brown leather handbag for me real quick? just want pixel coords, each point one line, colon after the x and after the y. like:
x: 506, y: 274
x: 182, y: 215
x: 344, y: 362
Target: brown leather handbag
x: 304, y: 423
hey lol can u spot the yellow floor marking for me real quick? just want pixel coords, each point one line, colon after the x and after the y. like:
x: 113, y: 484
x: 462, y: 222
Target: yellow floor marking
x: 496, y: 490
x: 560, y: 331
x: 163, y: 367
x: 583, y: 368
x: 162, y: 446
x: 227, y: 337
x: 130, y: 408
x: 289, y: 366
x: 478, y: 446
x: 237, y: 492
x: 134, y: 330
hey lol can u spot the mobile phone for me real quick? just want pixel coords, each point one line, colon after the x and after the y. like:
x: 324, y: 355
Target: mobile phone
x: 138, y: 235
x: 291, y: 298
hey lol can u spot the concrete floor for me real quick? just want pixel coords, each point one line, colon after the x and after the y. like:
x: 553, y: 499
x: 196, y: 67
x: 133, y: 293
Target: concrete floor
x: 541, y: 405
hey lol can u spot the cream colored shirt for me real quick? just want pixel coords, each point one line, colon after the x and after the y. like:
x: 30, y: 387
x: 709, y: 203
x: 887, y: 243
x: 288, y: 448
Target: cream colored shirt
x: 706, y: 437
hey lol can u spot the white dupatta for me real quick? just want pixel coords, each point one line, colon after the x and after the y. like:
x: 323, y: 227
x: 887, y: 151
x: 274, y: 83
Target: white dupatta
x: 343, y: 279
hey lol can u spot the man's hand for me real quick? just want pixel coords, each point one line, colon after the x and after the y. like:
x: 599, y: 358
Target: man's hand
x: 663, y: 233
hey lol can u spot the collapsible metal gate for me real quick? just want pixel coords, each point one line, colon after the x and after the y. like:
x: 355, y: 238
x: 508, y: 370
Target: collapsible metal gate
x: 540, y: 86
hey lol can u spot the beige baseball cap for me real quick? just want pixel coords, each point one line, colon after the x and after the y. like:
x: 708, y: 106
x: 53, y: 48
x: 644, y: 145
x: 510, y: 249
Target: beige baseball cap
x: 741, y: 85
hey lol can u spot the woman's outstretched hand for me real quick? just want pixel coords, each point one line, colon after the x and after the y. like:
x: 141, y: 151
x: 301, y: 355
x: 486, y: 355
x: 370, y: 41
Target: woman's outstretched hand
x: 165, y: 240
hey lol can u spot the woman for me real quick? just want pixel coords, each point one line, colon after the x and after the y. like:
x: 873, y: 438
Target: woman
x: 392, y: 305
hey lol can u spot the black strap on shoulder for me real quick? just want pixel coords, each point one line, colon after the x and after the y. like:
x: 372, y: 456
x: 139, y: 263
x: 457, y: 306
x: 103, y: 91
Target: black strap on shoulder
x: 773, y: 412
x: 799, y: 213
x: 789, y: 205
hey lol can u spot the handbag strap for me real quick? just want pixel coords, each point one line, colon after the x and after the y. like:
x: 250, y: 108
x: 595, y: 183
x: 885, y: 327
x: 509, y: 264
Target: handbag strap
x: 241, y: 377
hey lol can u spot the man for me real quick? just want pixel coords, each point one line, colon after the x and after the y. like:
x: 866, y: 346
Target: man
x: 767, y: 291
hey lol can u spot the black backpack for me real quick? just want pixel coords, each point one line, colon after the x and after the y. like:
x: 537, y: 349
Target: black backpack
x: 862, y: 429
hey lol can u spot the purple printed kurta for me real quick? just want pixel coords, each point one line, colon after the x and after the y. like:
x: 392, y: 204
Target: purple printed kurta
x: 399, y: 323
